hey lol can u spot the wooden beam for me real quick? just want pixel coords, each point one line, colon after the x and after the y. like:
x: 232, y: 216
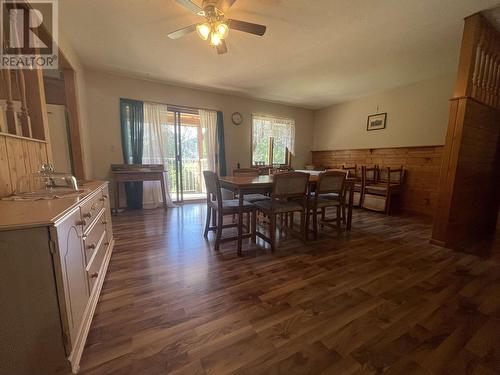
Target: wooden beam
x: 74, y: 123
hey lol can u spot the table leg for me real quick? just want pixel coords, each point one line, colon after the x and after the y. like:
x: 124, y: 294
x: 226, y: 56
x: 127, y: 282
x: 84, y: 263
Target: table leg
x: 240, y: 221
x: 349, y: 208
x: 163, y: 191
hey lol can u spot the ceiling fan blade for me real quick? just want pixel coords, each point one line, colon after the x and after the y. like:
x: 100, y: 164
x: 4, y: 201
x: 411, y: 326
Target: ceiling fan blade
x: 181, y: 32
x: 224, y: 5
x: 222, y: 48
x: 247, y: 27
x: 190, y: 5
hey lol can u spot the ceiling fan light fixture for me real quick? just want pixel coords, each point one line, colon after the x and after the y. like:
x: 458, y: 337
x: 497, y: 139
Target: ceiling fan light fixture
x: 222, y: 29
x: 203, y: 30
x: 215, y: 39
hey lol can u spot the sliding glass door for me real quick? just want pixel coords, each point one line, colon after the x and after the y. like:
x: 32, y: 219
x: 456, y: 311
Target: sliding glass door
x: 185, y: 155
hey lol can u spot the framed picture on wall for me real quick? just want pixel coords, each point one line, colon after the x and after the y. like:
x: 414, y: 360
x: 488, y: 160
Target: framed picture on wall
x: 376, y: 122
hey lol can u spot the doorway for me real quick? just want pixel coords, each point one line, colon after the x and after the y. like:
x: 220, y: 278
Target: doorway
x: 186, y: 157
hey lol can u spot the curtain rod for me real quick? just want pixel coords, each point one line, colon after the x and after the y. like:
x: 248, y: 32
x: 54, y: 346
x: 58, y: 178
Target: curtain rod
x: 181, y: 106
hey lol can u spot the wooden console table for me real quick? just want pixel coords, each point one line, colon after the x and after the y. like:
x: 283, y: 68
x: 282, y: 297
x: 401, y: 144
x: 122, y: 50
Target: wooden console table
x: 137, y: 172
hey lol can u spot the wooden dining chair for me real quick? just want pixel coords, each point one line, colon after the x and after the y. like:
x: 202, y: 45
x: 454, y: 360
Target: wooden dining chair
x: 289, y: 195
x: 222, y: 207
x: 343, y: 202
x: 378, y: 195
x: 356, y: 172
x: 330, y: 192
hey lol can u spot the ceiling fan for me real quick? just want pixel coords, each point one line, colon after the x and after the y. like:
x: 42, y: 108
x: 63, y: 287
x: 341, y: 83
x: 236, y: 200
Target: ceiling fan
x: 216, y: 27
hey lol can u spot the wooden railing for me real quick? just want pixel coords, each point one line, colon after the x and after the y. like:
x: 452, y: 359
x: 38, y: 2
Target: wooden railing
x: 479, y: 66
x: 28, y: 118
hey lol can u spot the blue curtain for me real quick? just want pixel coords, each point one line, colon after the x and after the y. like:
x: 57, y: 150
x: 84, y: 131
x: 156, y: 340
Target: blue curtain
x: 220, y: 141
x: 132, y: 125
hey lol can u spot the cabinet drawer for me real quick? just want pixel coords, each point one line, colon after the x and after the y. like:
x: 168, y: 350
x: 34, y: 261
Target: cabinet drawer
x: 91, y: 208
x: 95, y: 265
x: 94, y: 236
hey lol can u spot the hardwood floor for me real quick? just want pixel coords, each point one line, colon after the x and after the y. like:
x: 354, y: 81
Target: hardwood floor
x: 380, y: 299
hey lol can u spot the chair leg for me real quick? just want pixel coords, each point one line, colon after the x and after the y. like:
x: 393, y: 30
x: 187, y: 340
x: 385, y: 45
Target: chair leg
x: 344, y: 219
x: 254, y: 227
x: 338, y: 221
x: 307, y: 223
x: 248, y: 221
x: 282, y: 221
x: 272, y: 233
x: 303, y: 225
x: 218, y: 236
x: 315, y: 221
x: 387, y: 204
x: 323, y: 216
x: 207, y: 221
x: 214, y: 218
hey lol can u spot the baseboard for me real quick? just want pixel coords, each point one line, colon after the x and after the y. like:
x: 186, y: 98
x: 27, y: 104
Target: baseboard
x: 437, y: 242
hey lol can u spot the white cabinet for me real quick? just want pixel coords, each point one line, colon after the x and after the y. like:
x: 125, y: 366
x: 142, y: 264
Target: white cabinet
x: 50, y: 282
x: 68, y: 239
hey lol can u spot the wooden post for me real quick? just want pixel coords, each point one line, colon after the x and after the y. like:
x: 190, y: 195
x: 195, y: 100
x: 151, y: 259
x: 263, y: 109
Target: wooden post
x: 467, y: 61
x: 74, y: 123
x: 35, y: 100
x: 467, y: 205
x: 9, y: 110
x: 23, y: 115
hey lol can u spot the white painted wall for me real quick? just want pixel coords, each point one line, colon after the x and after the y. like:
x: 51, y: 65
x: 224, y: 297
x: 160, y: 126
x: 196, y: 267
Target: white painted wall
x: 104, y: 91
x: 417, y: 115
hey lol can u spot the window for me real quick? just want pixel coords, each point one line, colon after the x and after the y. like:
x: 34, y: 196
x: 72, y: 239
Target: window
x: 273, y: 140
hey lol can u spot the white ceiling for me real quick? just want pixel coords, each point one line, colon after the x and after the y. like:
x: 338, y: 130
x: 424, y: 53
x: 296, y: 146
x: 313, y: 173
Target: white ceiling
x: 315, y: 52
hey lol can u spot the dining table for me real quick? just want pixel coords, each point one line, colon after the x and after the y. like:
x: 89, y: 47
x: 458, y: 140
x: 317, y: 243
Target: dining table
x: 263, y: 184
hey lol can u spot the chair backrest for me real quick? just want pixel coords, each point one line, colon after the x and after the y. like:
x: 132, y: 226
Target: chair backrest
x: 391, y: 175
x: 341, y: 170
x: 331, y: 182
x: 243, y: 172
x: 354, y: 170
x: 213, y: 187
x: 370, y: 174
x: 290, y: 184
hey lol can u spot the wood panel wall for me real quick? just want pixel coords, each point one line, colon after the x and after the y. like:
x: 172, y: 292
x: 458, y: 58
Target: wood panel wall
x: 468, y: 197
x: 19, y: 159
x: 422, y: 165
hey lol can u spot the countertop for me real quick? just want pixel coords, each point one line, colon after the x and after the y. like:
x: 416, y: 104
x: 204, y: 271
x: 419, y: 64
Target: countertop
x: 30, y: 214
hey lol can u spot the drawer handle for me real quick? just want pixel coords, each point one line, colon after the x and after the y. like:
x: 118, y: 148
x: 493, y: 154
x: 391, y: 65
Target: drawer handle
x: 82, y: 222
x: 104, y: 222
x: 105, y: 196
x: 106, y: 244
x: 94, y: 275
x: 88, y: 214
x: 91, y: 246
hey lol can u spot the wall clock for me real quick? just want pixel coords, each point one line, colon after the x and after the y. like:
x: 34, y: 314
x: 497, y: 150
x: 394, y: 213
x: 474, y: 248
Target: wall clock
x: 237, y: 118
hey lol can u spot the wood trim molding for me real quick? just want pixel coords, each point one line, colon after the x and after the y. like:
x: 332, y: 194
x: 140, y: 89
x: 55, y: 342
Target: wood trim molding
x: 77, y: 156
